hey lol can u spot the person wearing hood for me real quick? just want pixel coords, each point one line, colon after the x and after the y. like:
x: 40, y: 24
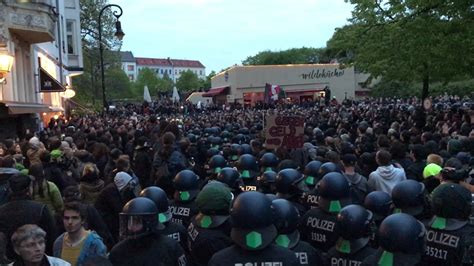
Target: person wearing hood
x: 112, y: 198
x: 386, y: 176
x: 34, y: 150
x: 90, y: 184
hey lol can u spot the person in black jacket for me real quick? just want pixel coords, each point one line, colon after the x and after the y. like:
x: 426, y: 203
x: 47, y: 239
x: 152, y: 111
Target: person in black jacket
x: 21, y: 210
x: 111, y: 200
x: 142, y: 162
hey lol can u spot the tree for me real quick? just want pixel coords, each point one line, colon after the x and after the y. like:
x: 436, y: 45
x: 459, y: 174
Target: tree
x: 188, y: 81
x: 291, y: 56
x: 165, y: 84
x: 417, y: 40
x: 118, y: 85
x: 146, y: 77
x: 205, y: 84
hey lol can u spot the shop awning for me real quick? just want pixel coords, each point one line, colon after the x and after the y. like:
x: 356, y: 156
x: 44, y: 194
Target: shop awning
x: 16, y: 108
x: 216, y: 91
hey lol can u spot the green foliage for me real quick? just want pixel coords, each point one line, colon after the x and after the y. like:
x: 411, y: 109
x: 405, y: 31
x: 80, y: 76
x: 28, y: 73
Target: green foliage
x: 165, y: 84
x: 421, y: 41
x: 188, y: 81
x: 391, y: 88
x: 90, y: 10
x: 291, y: 56
x: 118, y: 85
x: 206, y: 83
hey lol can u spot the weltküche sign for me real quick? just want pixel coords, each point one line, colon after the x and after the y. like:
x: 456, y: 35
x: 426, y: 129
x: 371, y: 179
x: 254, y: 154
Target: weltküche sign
x: 322, y: 74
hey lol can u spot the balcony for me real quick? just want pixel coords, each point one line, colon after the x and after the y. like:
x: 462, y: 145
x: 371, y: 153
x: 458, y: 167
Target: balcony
x: 33, y: 22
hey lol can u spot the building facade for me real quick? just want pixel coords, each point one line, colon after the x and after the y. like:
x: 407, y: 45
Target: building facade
x: 246, y: 84
x: 37, y: 33
x: 173, y: 68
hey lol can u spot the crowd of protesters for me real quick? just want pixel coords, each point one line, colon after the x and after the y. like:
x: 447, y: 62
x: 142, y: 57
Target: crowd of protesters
x: 63, y: 189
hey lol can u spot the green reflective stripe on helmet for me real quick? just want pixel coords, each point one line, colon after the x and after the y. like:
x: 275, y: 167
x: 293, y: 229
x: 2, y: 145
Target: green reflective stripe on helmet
x: 234, y: 157
x: 282, y: 241
x: 245, y: 174
x: 439, y: 223
x: 343, y: 246
x: 335, y: 206
x: 309, y: 180
x: 161, y: 217
x: 253, y: 239
x: 184, y: 195
x: 217, y: 170
x: 268, y: 169
x: 386, y: 259
x: 397, y: 210
x: 206, y: 221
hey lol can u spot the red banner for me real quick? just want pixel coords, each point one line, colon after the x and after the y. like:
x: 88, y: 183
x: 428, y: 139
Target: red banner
x: 284, y: 131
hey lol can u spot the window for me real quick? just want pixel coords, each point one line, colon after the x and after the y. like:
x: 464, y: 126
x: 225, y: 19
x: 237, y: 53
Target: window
x: 71, y: 44
x: 169, y: 72
x: 200, y: 72
x: 130, y: 68
x: 175, y: 71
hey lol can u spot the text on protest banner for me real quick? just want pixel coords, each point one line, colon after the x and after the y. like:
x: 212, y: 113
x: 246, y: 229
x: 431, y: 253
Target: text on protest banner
x: 284, y: 131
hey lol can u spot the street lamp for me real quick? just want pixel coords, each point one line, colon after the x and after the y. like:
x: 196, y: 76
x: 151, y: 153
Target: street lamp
x: 119, y: 34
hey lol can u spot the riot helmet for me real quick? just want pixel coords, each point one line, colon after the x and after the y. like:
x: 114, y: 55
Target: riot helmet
x: 408, y: 197
x: 245, y: 149
x: 354, y: 224
x: 211, y: 152
x: 159, y: 197
x: 380, y: 204
x: 186, y: 183
x: 231, y: 177
x: 328, y: 168
x: 268, y: 162
x: 216, y: 163
x: 451, y: 201
x: 252, y: 217
x: 266, y: 182
x: 247, y: 166
x: 138, y: 218
x: 311, y: 172
x: 286, y: 222
x: 234, y: 152
x: 289, y: 183
x: 334, y: 192
x: 401, y: 232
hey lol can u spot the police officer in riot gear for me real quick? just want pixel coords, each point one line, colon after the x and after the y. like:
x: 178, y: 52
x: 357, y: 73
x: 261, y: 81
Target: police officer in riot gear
x: 266, y: 182
x: 268, y: 162
x: 253, y: 232
x: 311, y: 173
x: 381, y: 205
x: 410, y: 196
x: 231, y: 177
x: 183, y: 208
x: 171, y: 229
x: 318, y: 225
x: 215, y: 165
x: 209, y: 230
x: 248, y: 169
x: 286, y: 222
x: 402, y: 241
x: 290, y: 185
x: 450, y: 238
x: 354, y: 224
x: 142, y: 244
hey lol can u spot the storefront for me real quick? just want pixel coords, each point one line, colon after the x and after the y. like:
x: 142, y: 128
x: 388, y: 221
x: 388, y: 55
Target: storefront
x: 299, y: 83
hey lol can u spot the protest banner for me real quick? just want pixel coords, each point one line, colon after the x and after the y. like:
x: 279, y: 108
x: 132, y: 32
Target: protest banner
x: 284, y: 131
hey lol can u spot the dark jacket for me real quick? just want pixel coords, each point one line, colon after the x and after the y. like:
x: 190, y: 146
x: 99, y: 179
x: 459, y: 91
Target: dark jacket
x: 109, y: 204
x: 142, y: 166
x: 5, y: 174
x: 19, y: 212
